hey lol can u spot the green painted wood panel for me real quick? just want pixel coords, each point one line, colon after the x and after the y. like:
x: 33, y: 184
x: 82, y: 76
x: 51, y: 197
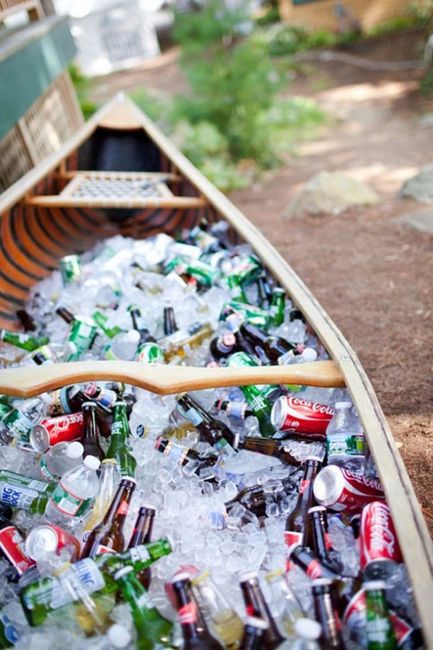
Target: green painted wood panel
x: 29, y: 65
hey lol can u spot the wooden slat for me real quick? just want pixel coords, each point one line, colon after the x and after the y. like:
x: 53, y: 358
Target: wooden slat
x: 66, y: 201
x: 94, y: 175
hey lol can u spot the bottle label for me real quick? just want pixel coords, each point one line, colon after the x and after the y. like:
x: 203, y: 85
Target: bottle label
x: 314, y: 570
x: 68, y: 503
x: 176, y: 453
x: 349, y: 445
x: 292, y: 537
x: 236, y: 409
x: 336, y: 446
x: 356, y: 445
x: 123, y: 508
x: 303, y: 485
x: 193, y: 416
x: 378, y: 629
x: 10, y: 633
x: 139, y: 554
x: 188, y: 613
x: 90, y: 578
x: 46, y: 473
x: 18, y: 425
x: 17, y: 496
x: 104, y: 549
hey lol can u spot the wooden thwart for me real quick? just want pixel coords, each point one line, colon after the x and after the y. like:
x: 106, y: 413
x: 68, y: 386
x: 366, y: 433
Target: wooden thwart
x: 174, y: 202
x: 161, y: 379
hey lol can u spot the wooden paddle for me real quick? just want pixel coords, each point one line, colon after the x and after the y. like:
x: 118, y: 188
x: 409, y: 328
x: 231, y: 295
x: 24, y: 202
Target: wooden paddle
x: 164, y: 380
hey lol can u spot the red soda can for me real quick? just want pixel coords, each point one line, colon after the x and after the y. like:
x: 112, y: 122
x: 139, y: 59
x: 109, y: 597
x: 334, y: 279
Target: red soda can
x: 301, y: 416
x: 379, y: 547
x: 12, y: 547
x: 340, y: 489
x: 52, y: 430
x: 48, y: 538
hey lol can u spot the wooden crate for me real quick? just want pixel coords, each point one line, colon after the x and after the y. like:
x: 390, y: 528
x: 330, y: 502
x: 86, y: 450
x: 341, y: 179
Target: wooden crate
x: 319, y: 14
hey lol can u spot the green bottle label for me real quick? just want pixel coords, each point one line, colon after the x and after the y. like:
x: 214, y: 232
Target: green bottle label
x: 18, y: 425
x: 68, y: 503
x: 17, y: 496
x: 45, y: 471
x: 149, y: 353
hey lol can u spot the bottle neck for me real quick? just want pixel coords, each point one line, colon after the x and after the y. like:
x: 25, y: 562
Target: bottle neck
x: 120, y: 423
x: 118, y: 509
x: 170, y: 325
x: 142, y: 532
x: 90, y: 428
x: 67, y: 316
x: 256, y: 606
x: 187, y: 610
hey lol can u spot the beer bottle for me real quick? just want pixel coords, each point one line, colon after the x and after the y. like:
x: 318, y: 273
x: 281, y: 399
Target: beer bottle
x: 170, y: 325
x: 223, y: 621
x: 136, y: 316
x: 264, y: 292
x: 306, y: 559
x: 108, y: 537
x: 194, y: 637
x: 254, y: 631
x: 380, y: 632
x: 297, y: 520
x: 239, y: 410
x: 90, y: 437
x: 41, y: 596
x: 278, y: 304
x: 182, y: 455
x: 26, y: 320
x: 81, y: 336
x: 24, y: 492
x: 256, y: 396
x: 256, y: 605
x: 272, y: 346
x: 211, y: 430
x: 151, y: 628
x: 236, y: 289
x: 316, y: 535
x: 253, y: 498
x: 283, y: 604
x: 249, y: 313
x: 180, y: 344
x: 222, y: 346
x: 270, y: 447
x: 118, y: 448
x: 108, y: 481
x: 142, y: 534
x: 23, y: 340
x: 325, y: 612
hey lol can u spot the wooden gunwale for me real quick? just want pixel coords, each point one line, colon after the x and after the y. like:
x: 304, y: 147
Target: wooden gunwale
x: 410, y: 525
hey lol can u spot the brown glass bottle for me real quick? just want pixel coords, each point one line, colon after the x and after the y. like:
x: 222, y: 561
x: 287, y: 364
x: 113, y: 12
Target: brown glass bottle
x: 90, y: 437
x: 195, y: 637
x: 170, y: 325
x: 269, y: 447
x: 252, y: 498
x: 307, y: 560
x: 256, y: 605
x: 316, y: 535
x: 107, y: 537
x: 325, y: 613
x: 297, y: 520
x: 183, y: 454
x: 145, y: 335
x: 221, y: 346
x: 254, y: 631
x: 64, y: 313
x: 26, y: 320
x: 142, y: 534
x: 273, y: 346
x: 213, y: 431
x: 239, y: 410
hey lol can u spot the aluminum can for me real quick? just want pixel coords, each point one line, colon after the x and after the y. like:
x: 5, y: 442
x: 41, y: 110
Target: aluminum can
x: 12, y: 547
x: 301, y: 416
x: 48, y: 538
x: 340, y: 489
x: 59, y: 429
x: 70, y: 269
x: 379, y: 547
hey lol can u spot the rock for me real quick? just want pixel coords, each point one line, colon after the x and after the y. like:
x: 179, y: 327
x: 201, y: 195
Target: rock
x: 426, y: 120
x: 421, y: 220
x: 330, y: 192
x: 420, y: 186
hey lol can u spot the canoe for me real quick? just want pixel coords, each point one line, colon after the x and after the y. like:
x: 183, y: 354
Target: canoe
x: 55, y: 210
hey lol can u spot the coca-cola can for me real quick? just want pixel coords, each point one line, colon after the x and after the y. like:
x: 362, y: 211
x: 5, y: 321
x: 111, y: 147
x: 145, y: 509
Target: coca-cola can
x: 48, y: 538
x: 12, y: 547
x: 52, y: 430
x: 340, y: 489
x: 301, y: 416
x: 378, y: 540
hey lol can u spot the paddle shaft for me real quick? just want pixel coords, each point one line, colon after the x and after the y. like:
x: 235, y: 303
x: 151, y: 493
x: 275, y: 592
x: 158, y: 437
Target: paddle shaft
x: 161, y: 379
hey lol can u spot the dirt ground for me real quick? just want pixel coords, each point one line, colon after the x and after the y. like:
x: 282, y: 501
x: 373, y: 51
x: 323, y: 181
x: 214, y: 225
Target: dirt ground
x: 373, y: 275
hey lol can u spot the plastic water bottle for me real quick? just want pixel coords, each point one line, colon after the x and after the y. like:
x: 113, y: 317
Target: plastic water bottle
x: 20, y: 420
x: 74, y: 494
x: 60, y: 458
x: 345, y: 440
x: 307, y: 633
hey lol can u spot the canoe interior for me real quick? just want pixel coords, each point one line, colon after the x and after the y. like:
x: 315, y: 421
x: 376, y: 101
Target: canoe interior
x: 34, y: 238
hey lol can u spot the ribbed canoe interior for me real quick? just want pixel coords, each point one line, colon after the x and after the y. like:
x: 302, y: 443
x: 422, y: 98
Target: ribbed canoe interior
x: 34, y: 238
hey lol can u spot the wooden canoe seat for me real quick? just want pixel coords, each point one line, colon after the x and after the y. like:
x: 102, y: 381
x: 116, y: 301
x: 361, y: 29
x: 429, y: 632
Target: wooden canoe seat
x: 116, y: 190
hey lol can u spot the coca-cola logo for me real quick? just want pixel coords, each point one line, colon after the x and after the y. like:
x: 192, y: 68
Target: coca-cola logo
x: 377, y: 532
x: 363, y: 480
x: 313, y: 406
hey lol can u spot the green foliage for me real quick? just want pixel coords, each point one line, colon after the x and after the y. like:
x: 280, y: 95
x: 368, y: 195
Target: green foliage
x: 154, y: 106
x: 271, y: 16
x: 422, y: 13
x: 427, y: 84
x: 82, y: 88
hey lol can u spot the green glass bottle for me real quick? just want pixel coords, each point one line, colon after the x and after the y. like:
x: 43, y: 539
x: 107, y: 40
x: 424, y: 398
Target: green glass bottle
x: 101, y: 321
x: 149, y: 353
x: 41, y: 597
x: 256, y: 396
x: 236, y: 289
x: 278, y: 305
x: 118, y: 448
x: 200, y: 271
x: 250, y: 313
x: 24, y: 492
x: 22, y: 340
x: 380, y: 632
x: 9, y: 635
x: 151, y: 627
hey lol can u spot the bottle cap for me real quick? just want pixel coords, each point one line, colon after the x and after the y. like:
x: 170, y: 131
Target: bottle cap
x: 343, y: 405
x: 91, y: 462
x: 309, y: 355
x: 255, y: 622
x: 203, y: 575
x: 306, y: 628
x: 92, y: 405
x: 119, y: 636
x: 372, y: 585
x: 251, y: 575
x: 74, y: 450
x: 321, y: 582
x: 316, y: 509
